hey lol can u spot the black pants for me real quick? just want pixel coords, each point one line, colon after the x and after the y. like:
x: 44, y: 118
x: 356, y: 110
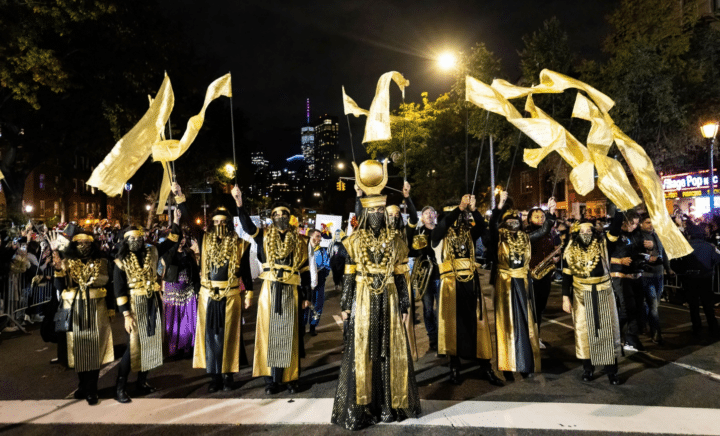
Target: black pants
x: 609, y: 369
x: 698, y: 290
x: 630, y: 294
x: 541, y: 288
x: 88, y: 381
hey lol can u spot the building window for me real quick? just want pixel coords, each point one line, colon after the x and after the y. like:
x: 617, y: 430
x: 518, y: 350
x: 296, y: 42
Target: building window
x: 525, y: 182
x: 42, y: 181
x: 84, y: 188
x: 56, y: 208
x: 75, y: 209
x: 87, y: 209
x: 76, y: 185
x: 82, y: 207
x: 57, y: 179
x: 42, y: 208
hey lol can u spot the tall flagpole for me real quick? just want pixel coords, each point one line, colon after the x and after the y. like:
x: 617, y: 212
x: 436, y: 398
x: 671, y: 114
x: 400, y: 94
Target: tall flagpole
x: 232, y: 130
x: 492, y: 174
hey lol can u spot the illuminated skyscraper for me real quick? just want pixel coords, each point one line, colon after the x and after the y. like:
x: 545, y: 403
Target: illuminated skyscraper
x: 307, y: 135
x: 326, y: 145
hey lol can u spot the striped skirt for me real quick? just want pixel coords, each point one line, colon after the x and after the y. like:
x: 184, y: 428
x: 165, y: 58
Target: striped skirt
x: 90, y: 343
x: 597, y: 329
x: 146, y: 352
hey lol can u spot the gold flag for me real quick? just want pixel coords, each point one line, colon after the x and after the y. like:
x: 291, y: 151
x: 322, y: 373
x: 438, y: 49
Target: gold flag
x: 2, y: 176
x: 377, y: 127
x: 612, y: 179
x: 350, y: 107
x: 133, y: 149
x: 166, y: 151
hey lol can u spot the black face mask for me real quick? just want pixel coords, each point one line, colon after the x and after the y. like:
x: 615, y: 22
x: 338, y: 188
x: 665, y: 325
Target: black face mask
x: 135, y: 245
x: 584, y: 239
x: 282, y: 222
x: 395, y: 223
x: 376, y: 220
x: 84, y: 250
x: 512, y: 225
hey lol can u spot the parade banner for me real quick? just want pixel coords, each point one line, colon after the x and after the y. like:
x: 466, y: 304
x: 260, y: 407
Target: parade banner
x: 133, y: 149
x: 551, y: 136
x: 167, y: 151
x: 377, y: 127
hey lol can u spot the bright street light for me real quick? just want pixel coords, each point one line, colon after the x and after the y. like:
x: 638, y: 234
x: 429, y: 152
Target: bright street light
x: 28, y: 208
x: 229, y: 170
x: 148, y: 207
x: 447, y: 61
x: 709, y: 130
x: 341, y: 165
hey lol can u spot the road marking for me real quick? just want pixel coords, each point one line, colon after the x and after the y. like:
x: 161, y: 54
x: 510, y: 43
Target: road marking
x: 560, y: 323
x: 712, y: 375
x: 284, y: 411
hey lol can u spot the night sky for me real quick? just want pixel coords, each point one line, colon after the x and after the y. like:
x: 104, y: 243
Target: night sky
x: 282, y: 52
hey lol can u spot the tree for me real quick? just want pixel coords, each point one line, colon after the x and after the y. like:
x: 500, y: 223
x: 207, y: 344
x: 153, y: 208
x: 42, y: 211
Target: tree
x: 75, y: 75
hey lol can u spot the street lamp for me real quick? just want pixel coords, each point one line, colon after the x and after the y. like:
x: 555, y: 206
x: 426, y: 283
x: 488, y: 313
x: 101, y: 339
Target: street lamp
x: 709, y: 131
x: 28, y: 208
x: 447, y: 61
x: 229, y: 170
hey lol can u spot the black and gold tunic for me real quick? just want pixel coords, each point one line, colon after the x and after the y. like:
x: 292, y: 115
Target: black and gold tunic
x: 286, y: 284
x: 87, y: 283
x: 516, y: 329
x: 463, y: 327
x: 377, y: 380
x: 586, y: 280
x: 219, y: 346
x: 137, y: 289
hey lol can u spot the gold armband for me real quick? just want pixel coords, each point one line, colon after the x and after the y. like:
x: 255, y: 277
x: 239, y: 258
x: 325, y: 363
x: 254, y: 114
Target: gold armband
x: 350, y: 269
x: 248, y: 295
x: 173, y: 237
x: 59, y: 273
x: 121, y: 301
x: 179, y: 199
x: 411, y: 225
x: 616, y: 261
x: 611, y: 238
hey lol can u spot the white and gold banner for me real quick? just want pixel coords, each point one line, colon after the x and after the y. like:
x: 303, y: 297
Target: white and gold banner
x: 377, y: 127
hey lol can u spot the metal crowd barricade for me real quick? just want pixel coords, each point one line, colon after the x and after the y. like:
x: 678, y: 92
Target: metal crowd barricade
x: 18, y: 293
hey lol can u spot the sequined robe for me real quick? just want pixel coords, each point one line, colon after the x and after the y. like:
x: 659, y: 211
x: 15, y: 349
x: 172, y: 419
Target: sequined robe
x: 377, y: 380
x: 518, y: 343
x: 463, y: 327
x: 90, y: 343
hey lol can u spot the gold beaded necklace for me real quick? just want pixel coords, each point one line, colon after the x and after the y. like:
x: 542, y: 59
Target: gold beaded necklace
x: 220, y: 252
x: 457, y: 241
x: 138, y: 274
x: 83, y: 274
x: 517, y: 243
x: 275, y: 248
x: 582, y: 261
x: 382, y: 251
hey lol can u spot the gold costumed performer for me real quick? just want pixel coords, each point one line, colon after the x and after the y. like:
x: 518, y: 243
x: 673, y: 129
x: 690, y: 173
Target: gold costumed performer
x: 463, y: 327
x: 84, y: 284
x: 377, y: 380
x: 219, y: 346
x: 516, y: 329
x: 285, y: 292
x: 137, y: 292
x: 588, y: 295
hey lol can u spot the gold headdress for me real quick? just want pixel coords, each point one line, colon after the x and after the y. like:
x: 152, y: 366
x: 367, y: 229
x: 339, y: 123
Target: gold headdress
x: 82, y: 237
x: 220, y: 214
x: 371, y: 177
x: 509, y: 214
x: 393, y: 209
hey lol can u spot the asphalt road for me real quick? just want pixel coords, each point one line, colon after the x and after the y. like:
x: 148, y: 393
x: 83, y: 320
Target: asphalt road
x: 683, y: 373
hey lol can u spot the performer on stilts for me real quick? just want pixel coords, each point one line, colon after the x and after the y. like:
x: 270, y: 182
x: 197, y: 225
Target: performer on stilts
x: 518, y: 343
x: 284, y: 294
x: 463, y: 326
x: 588, y: 296
x: 377, y: 380
x: 224, y: 268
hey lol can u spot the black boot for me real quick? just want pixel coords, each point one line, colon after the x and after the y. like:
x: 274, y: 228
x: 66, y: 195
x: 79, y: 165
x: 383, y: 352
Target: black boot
x: 80, y: 393
x: 141, y: 385
x: 227, y: 382
x: 614, y: 379
x: 271, y: 388
x: 91, y: 387
x: 490, y: 376
x: 292, y: 387
x: 455, y: 371
x: 509, y: 376
x: 215, y: 384
x: 120, y: 394
x: 312, y: 330
x: 588, y: 370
